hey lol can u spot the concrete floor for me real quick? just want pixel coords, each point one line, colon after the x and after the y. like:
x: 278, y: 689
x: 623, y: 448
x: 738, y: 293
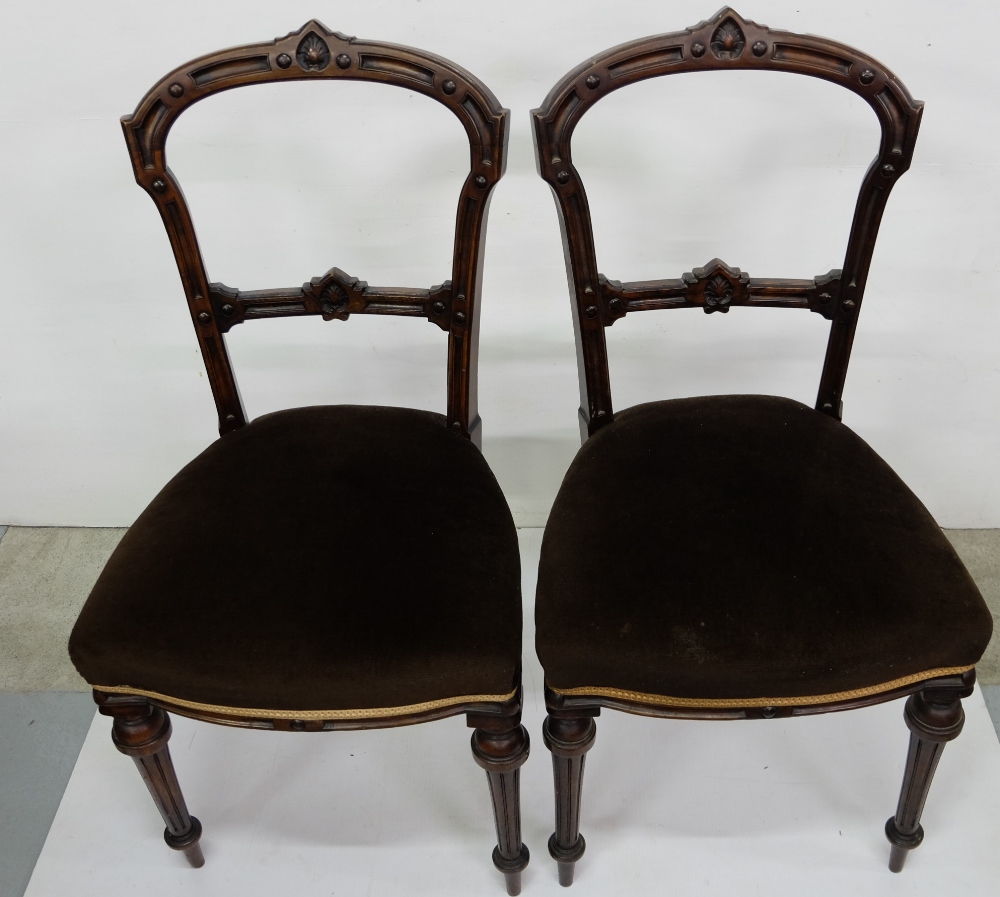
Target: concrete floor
x: 46, y: 710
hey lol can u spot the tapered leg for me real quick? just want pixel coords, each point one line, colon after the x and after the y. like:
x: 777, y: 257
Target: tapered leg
x: 501, y: 750
x: 142, y: 731
x: 568, y: 740
x: 933, y: 719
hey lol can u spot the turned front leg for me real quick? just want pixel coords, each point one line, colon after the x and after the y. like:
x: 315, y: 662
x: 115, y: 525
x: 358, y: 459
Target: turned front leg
x: 568, y: 740
x: 932, y: 724
x: 142, y: 731
x: 501, y: 751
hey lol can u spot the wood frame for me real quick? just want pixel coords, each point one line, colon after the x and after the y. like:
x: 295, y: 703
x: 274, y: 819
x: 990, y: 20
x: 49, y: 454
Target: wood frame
x: 315, y: 52
x: 141, y: 727
x: 726, y: 42
x: 500, y: 745
x: 933, y: 713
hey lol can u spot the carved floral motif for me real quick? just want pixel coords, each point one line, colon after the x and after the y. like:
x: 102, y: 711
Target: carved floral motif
x: 313, y: 54
x: 333, y: 302
x: 718, y: 295
x: 728, y: 41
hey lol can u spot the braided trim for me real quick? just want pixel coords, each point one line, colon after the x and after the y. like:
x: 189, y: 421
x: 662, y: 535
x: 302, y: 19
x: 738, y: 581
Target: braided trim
x: 797, y: 701
x: 263, y: 713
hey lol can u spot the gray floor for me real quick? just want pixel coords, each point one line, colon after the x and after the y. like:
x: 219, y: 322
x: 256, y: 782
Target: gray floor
x: 41, y: 734
x: 46, y: 709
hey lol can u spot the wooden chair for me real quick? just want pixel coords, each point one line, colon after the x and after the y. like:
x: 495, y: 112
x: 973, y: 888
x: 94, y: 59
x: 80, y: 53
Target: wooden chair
x: 328, y: 567
x: 739, y: 556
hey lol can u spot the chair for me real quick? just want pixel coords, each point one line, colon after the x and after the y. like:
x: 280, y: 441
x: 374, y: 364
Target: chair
x: 328, y: 567
x: 739, y: 556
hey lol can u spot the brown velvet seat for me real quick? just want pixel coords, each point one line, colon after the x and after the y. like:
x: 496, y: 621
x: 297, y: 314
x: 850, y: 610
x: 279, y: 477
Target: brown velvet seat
x: 737, y: 557
x: 274, y: 592
x: 745, y: 548
x: 329, y: 567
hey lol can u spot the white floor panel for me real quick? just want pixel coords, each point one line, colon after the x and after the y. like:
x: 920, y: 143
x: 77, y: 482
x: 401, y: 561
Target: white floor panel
x: 769, y: 807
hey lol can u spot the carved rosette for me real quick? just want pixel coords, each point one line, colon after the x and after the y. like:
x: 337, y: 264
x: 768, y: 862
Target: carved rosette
x: 718, y: 295
x: 335, y: 295
x: 313, y: 54
x: 717, y: 287
x: 728, y: 41
x: 333, y: 301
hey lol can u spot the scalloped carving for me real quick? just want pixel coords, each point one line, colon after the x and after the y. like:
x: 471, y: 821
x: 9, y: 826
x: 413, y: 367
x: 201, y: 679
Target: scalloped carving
x: 313, y: 54
x: 333, y: 301
x: 728, y: 41
x: 716, y: 287
x: 335, y: 295
x: 718, y: 295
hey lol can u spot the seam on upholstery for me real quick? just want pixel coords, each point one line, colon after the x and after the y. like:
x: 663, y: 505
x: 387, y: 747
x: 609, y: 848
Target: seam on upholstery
x: 666, y: 700
x: 263, y: 713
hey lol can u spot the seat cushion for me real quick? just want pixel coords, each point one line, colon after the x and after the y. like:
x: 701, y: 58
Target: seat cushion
x: 323, y: 558
x: 745, y: 547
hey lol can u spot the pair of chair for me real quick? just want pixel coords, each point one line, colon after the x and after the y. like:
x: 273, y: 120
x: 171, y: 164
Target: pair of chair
x: 342, y: 567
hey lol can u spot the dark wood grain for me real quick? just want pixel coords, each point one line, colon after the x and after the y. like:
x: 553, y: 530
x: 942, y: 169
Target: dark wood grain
x: 726, y: 42
x: 141, y: 723
x: 315, y: 52
x: 142, y: 731
x: 501, y: 747
x: 934, y: 717
x: 723, y: 43
x: 568, y: 739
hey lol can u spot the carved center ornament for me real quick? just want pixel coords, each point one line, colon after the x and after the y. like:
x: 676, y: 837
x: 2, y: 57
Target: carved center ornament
x: 313, y: 54
x: 333, y: 301
x: 728, y: 41
x: 718, y: 295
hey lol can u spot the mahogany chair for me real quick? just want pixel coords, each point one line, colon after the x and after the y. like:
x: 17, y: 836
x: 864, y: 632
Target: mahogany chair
x: 834, y: 587
x: 327, y: 567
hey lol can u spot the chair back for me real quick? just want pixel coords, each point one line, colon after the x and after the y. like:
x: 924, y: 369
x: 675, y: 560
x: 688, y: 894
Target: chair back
x: 315, y: 52
x: 723, y: 43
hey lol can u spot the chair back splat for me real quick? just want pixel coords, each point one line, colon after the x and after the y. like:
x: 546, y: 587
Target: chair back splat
x: 315, y: 52
x: 727, y: 42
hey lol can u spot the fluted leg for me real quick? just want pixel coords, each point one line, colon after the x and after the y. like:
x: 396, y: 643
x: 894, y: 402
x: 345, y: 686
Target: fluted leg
x: 932, y: 723
x: 142, y: 731
x: 501, y: 750
x: 568, y: 740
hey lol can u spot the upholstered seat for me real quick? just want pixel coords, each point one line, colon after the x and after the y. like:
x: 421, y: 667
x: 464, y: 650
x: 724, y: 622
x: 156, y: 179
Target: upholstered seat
x: 322, y: 558
x: 732, y: 548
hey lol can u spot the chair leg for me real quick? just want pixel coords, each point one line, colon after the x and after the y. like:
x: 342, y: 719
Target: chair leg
x: 501, y: 750
x: 142, y: 731
x: 933, y: 720
x: 568, y: 740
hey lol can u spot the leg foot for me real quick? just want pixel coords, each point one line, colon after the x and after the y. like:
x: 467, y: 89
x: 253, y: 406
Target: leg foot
x: 142, y: 731
x: 501, y: 750
x: 568, y: 740
x: 934, y: 718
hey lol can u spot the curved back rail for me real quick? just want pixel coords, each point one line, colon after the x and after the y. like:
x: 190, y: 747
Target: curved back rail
x: 315, y: 52
x: 725, y: 42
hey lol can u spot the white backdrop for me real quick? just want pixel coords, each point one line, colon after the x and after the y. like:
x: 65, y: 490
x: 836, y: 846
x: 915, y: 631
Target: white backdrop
x: 102, y: 392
